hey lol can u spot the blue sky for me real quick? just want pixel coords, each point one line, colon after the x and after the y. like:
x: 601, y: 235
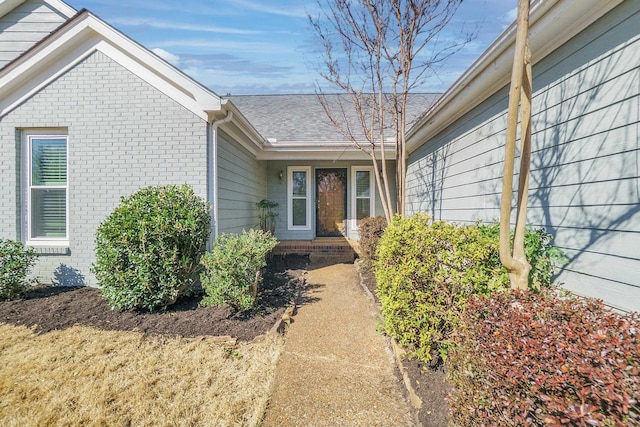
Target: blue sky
x: 265, y: 47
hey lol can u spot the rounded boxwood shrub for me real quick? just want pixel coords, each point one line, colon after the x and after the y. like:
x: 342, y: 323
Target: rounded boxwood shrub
x: 15, y: 262
x: 232, y: 269
x: 148, y: 249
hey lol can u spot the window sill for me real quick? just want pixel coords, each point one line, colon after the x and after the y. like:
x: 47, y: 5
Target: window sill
x: 44, y: 249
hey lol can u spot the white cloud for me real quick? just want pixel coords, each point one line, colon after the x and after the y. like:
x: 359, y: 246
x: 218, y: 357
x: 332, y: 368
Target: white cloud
x: 167, y: 56
x: 510, y: 16
x: 289, y: 10
x: 219, y: 46
x: 165, y: 25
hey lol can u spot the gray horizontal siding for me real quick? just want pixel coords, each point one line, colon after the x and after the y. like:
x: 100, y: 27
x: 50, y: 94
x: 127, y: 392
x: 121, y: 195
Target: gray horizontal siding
x: 585, y: 172
x: 23, y: 27
x: 241, y: 184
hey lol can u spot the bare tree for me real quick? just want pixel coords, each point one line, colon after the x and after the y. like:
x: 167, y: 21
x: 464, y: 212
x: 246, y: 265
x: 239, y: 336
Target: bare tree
x: 515, y: 260
x: 377, y: 52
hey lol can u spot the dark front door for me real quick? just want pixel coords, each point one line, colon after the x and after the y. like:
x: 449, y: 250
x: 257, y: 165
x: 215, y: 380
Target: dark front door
x: 331, y: 202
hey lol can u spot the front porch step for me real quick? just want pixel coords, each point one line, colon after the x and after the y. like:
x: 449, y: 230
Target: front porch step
x: 323, y: 258
x: 323, y: 250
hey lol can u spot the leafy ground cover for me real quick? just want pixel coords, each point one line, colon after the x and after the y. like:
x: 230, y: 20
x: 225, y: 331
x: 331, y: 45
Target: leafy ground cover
x: 67, y: 358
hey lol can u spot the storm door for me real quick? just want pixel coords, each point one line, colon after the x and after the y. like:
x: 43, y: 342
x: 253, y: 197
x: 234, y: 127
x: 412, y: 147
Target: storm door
x: 331, y: 202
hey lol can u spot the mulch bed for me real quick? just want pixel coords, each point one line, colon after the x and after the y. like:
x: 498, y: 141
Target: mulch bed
x: 429, y: 382
x: 49, y: 308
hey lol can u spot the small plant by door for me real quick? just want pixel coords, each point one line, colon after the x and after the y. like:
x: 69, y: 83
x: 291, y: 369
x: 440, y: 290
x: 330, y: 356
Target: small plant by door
x: 267, y: 215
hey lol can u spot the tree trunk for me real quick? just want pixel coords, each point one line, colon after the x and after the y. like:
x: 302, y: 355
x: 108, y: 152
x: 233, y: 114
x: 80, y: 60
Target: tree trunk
x: 520, y: 93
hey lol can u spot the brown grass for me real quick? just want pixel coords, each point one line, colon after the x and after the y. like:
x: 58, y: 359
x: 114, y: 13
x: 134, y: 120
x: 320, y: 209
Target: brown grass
x: 85, y: 376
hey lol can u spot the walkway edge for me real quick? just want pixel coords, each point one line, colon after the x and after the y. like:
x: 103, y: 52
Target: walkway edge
x: 397, y: 350
x: 281, y: 324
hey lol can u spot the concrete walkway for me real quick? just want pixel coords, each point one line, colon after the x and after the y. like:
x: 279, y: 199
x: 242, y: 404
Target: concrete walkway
x: 336, y: 370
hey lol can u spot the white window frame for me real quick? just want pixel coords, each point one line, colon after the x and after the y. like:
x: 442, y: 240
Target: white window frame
x: 28, y: 136
x: 290, y: 198
x: 354, y: 195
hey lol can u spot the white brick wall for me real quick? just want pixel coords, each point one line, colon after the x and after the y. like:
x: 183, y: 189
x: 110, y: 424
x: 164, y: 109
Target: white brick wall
x: 123, y: 135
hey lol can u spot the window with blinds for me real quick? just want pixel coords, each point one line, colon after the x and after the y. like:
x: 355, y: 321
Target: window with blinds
x: 47, y: 193
x: 299, y: 200
x: 362, y: 193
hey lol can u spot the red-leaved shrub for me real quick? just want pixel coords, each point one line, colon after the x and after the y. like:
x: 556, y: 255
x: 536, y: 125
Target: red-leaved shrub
x: 522, y: 358
x: 370, y: 230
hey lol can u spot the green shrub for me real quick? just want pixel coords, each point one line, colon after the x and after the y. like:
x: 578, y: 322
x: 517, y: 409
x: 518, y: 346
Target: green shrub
x: 15, y: 262
x: 524, y: 358
x: 425, y: 273
x: 232, y: 269
x: 370, y: 230
x: 148, y: 249
x: 541, y: 254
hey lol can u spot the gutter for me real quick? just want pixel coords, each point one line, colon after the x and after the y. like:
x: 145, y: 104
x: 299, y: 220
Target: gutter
x: 213, y: 167
x: 552, y: 23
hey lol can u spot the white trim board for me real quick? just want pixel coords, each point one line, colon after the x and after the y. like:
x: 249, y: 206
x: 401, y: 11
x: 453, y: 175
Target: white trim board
x: 78, y: 39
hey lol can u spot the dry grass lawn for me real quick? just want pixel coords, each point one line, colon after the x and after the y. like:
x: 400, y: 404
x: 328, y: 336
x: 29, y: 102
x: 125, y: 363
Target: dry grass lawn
x: 90, y: 377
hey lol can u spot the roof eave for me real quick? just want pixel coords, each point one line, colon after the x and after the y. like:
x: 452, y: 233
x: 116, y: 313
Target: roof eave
x: 77, y: 39
x: 241, y: 121
x: 319, y: 151
x: 7, y: 6
x: 552, y: 23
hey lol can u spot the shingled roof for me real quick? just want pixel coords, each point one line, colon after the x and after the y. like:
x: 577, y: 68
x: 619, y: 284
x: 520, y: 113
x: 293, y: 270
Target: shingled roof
x: 283, y: 119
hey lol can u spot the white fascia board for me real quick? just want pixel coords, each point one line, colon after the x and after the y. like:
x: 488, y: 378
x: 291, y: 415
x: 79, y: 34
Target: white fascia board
x: 34, y: 71
x: 133, y: 51
x: 319, y: 153
x: 71, y: 45
x: 178, y: 94
x: 61, y: 7
x: 552, y: 23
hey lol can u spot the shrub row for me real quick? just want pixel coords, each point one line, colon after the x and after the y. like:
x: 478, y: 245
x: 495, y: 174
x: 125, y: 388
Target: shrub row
x: 149, y: 252
x: 427, y: 270
x: 522, y: 358
x: 15, y: 262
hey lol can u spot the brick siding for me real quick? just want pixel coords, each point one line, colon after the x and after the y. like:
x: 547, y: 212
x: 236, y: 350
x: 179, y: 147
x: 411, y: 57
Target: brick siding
x: 124, y: 134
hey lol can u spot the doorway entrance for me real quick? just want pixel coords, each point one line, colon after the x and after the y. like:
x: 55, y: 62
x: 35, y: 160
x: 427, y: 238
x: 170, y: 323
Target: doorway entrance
x: 331, y: 202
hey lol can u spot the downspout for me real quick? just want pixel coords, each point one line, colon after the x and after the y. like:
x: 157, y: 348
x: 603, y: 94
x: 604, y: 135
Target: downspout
x: 213, y: 162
